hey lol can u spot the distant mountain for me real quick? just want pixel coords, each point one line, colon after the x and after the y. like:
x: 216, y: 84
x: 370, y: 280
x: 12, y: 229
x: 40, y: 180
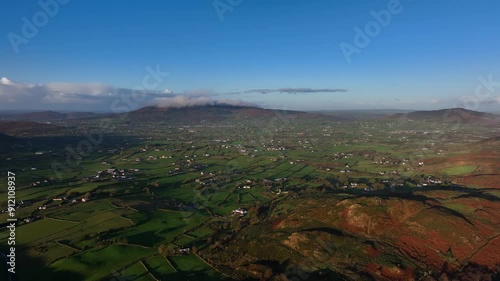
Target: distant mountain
x: 20, y: 128
x: 53, y: 116
x: 454, y: 115
x: 212, y: 113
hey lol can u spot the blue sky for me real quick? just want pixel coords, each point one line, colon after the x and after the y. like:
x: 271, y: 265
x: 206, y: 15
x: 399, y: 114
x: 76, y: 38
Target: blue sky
x: 429, y: 55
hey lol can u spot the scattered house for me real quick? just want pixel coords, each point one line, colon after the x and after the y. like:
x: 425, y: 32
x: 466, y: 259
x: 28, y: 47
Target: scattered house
x: 434, y: 181
x: 247, y: 187
x: 239, y: 212
x: 184, y: 250
x: 85, y: 199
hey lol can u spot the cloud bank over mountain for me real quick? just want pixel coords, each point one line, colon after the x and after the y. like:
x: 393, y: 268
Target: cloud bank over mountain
x: 102, y: 97
x: 186, y: 101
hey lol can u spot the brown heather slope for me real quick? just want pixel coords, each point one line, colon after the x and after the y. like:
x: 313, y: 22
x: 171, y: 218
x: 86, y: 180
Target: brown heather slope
x: 366, y: 238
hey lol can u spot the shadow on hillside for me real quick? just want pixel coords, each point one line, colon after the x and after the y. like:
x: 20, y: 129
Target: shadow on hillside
x: 409, y: 193
x: 30, y: 268
x: 194, y: 275
x: 282, y: 271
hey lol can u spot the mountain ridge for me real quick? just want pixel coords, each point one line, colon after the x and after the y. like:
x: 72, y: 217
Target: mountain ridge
x: 50, y: 115
x: 213, y: 113
x: 449, y: 115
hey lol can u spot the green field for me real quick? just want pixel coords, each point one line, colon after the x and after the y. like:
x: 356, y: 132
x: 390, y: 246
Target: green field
x: 99, y: 263
x: 460, y: 170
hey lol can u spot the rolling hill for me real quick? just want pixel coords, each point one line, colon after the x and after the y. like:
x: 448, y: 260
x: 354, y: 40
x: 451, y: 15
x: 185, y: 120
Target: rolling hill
x: 52, y: 116
x: 212, y: 113
x: 453, y: 115
x: 18, y: 128
x: 367, y: 238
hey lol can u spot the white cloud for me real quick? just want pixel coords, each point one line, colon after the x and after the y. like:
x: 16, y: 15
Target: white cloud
x: 185, y: 101
x: 5, y: 81
x: 94, y: 96
x: 93, y: 89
